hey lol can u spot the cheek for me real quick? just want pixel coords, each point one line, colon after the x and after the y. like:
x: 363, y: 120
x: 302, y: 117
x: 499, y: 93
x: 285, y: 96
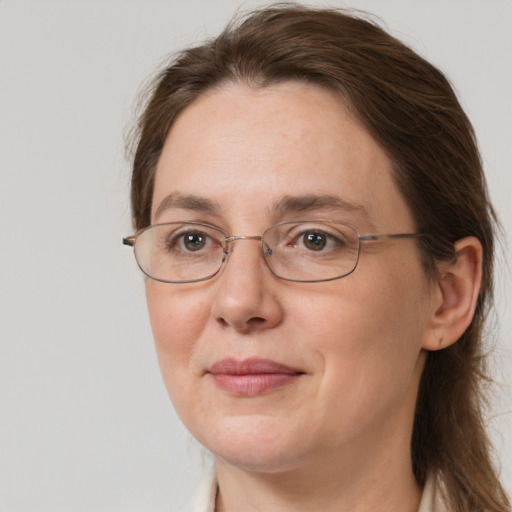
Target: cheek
x: 369, y: 334
x: 177, y: 319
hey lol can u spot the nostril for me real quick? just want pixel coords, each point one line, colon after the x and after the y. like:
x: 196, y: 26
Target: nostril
x: 254, y: 323
x: 244, y: 326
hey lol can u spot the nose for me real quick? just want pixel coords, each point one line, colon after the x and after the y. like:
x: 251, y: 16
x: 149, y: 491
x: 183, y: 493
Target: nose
x: 246, y: 298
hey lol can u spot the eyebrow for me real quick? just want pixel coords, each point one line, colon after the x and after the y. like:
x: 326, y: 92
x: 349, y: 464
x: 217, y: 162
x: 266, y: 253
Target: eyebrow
x: 284, y: 205
x: 310, y: 203
x: 188, y: 202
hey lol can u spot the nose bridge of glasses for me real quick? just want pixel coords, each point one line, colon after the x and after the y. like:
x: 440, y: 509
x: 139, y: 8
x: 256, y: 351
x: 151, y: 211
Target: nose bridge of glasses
x: 243, y: 237
x: 230, y: 239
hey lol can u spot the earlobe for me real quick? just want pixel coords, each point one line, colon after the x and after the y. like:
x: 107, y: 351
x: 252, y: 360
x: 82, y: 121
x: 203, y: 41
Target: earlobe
x: 456, y: 294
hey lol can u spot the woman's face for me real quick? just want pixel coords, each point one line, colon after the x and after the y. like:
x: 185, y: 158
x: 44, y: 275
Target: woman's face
x: 343, y: 357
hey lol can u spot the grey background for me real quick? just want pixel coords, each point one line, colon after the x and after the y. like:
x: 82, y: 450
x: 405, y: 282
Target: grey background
x: 85, y: 423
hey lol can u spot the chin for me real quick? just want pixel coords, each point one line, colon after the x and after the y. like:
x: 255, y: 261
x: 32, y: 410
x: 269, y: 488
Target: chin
x: 258, y: 444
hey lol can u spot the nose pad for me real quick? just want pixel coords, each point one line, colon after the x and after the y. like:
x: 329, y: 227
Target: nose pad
x: 245, y: 298
x: 228, y: 248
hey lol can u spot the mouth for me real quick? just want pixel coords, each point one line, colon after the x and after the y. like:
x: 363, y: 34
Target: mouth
x: 252, y: 377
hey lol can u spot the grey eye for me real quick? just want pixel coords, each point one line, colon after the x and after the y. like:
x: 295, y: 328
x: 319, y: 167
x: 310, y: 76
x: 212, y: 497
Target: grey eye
x: 194, y: 241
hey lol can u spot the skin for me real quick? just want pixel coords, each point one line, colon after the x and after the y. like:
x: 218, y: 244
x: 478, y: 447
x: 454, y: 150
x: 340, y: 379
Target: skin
x: 337, y: 437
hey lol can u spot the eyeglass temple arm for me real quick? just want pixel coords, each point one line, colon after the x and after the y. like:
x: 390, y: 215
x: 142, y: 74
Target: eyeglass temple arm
x: 129, y: 240
x: 370, y: 238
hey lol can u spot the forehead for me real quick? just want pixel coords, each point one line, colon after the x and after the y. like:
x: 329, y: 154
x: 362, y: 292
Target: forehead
x: 244, y: 149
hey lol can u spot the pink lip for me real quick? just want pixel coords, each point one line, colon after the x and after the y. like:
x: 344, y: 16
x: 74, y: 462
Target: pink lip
x: 252, y: 377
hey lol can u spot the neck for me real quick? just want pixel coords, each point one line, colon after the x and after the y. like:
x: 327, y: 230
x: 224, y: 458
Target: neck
x: 331, y: 483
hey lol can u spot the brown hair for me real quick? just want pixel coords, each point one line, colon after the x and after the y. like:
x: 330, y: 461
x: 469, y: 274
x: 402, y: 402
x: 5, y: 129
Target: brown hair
x: 410, y: 108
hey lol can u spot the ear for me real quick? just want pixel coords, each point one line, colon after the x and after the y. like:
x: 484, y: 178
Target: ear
x: 455, y: 294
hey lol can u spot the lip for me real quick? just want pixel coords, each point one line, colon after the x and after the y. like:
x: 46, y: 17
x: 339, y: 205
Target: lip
x: 252, y: 377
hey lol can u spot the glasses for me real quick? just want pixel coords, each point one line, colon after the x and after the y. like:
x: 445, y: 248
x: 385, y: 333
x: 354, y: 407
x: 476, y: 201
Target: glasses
x: 305, y: 251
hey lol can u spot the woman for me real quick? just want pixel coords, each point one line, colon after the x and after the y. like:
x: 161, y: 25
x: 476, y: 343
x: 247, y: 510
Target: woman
x: 313, y: 220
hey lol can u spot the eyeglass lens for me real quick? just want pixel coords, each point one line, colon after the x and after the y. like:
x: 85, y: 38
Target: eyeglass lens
x: 297, y: 251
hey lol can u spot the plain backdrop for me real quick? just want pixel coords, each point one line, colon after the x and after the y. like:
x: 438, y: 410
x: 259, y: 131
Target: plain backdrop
x: 85, y: 423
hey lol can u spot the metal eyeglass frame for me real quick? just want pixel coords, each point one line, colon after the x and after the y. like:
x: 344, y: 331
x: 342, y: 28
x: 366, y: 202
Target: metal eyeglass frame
x: 131, y: 239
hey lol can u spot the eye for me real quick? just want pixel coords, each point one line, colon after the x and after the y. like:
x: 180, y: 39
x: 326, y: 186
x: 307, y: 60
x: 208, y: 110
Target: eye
x: 320, y: 241
x: 186, y: 240
x: 194, y: 241
x: 314, y: 241
x: 313, y: 238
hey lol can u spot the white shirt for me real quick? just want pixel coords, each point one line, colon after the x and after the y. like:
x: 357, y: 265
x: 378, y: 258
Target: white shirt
x: 206, y: 492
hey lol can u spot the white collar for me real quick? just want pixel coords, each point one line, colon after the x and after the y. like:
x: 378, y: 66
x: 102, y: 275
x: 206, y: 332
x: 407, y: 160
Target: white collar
x: 205, y: 494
